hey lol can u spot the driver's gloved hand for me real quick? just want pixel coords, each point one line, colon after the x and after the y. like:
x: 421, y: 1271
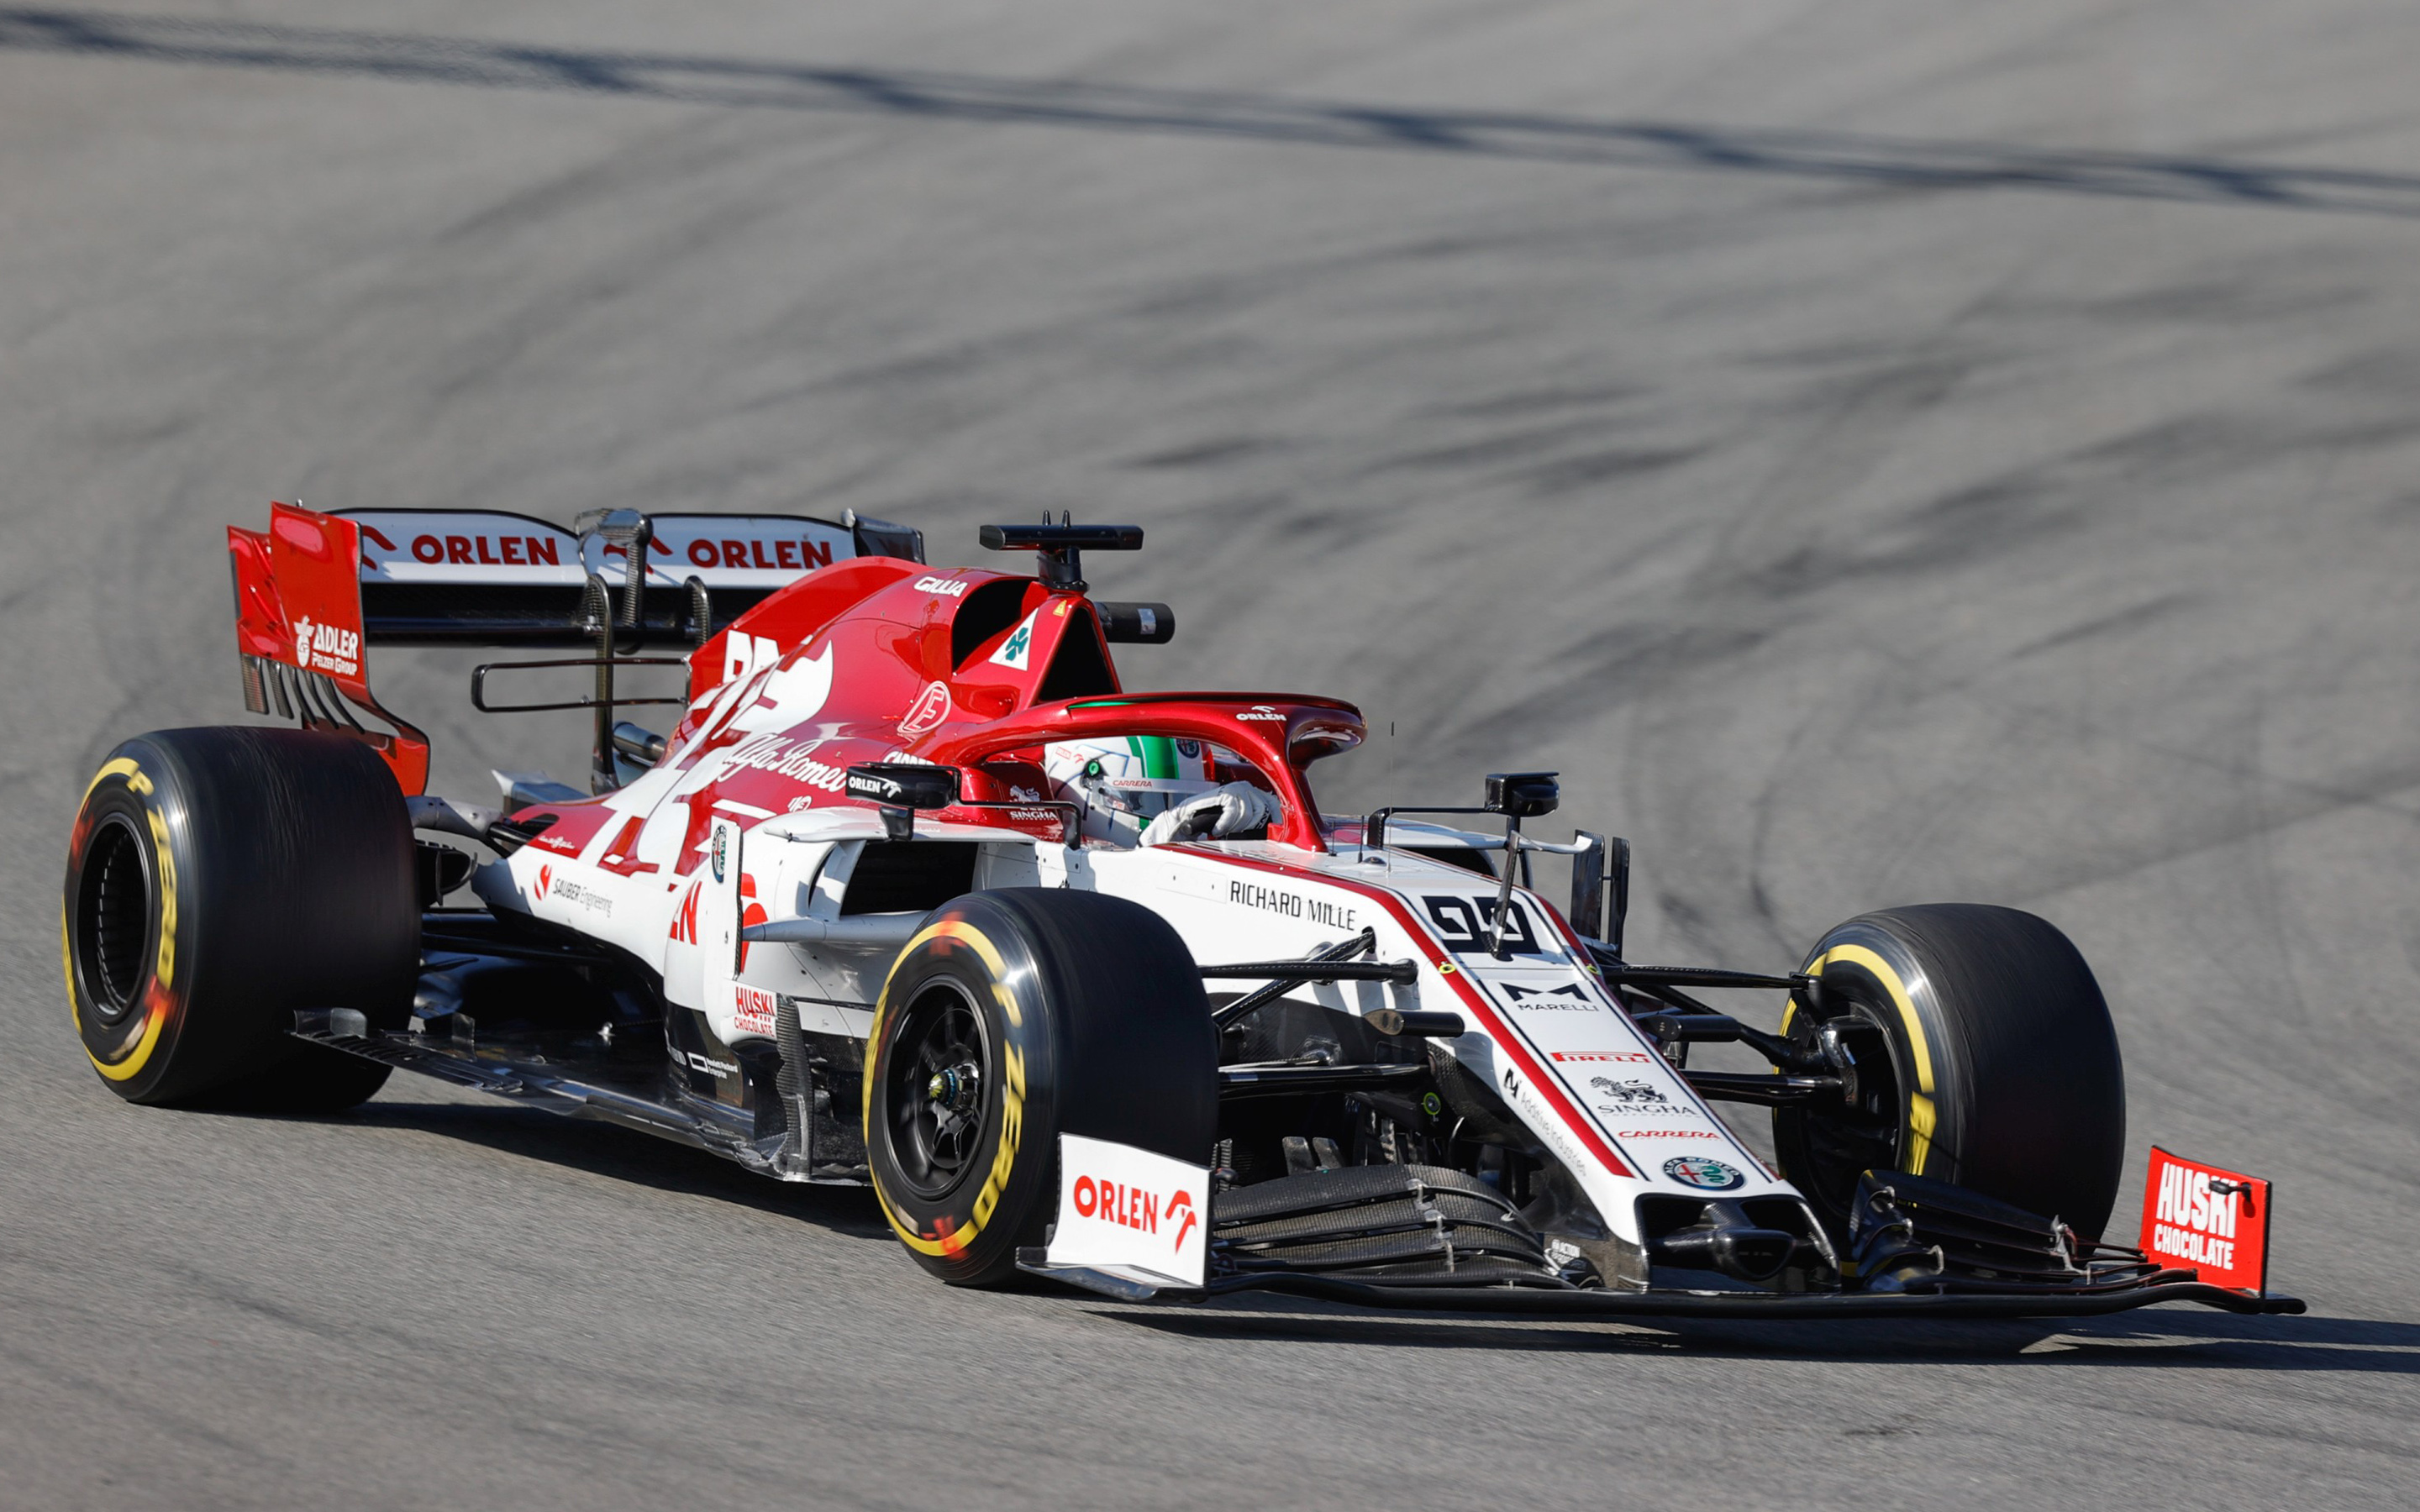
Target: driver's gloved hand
x: 1235, y: 808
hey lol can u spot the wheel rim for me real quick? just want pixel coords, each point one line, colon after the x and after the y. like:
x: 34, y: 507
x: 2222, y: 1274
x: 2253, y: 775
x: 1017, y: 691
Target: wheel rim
x: 1839, y: 1146
x: 940, y: 1088
x: 114, y: 919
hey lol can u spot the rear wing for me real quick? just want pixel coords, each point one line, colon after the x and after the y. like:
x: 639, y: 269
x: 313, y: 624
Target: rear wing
x: 480, y: 576
x: 313, y: 591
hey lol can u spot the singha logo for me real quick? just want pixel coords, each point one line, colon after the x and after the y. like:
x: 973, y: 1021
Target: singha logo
x: 1626, y: 1091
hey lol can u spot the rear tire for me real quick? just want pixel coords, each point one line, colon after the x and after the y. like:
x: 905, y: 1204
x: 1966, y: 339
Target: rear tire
x: 1016, y: 1016
x: 219, y: 879
x: 1986, y: 1058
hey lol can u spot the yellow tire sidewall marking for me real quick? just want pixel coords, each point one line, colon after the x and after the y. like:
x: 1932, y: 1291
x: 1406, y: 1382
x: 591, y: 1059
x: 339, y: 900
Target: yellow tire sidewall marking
x: 163, y: 967
x: 1012, y: 1124
x: 1920, y: 1113
x: 123, y: 766
x: 125, y: 1070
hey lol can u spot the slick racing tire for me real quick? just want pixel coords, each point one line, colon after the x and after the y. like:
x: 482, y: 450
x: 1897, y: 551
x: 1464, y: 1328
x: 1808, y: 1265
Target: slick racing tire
x: 219, y: 879
x: 1016, y: 1016
x: 1984, y: 1056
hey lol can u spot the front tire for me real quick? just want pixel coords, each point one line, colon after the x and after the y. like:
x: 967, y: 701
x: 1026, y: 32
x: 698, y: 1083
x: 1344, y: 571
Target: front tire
x: 1985, y: 1057
x: 1013, y: 1017
x: 219, y: 879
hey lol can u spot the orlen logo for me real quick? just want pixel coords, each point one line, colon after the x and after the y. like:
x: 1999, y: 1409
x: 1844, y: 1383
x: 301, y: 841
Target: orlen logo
x: 1664, y: 1133
x: 1131, y: 1207
x: 684, y: 931
x: 788, y: 555
x: 751, y: 912
x: 1261, y: 710
x: 480, y: 550
x: 1635, y: 1058
x: 945, y: 587
x: 326, y: 648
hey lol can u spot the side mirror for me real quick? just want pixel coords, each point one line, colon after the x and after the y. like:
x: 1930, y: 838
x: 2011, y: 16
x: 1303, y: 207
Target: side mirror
x: 1600, y: 875
x: 1522, y: 795
x: 1135, y: 624
x: 901, y: 788
x: 1586, y: 912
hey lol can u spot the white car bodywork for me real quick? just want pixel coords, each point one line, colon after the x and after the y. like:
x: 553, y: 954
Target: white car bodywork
x: 1542, y: 1030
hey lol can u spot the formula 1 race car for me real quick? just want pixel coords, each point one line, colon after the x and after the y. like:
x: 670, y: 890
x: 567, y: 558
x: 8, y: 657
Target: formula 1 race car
x: 1080, y: 982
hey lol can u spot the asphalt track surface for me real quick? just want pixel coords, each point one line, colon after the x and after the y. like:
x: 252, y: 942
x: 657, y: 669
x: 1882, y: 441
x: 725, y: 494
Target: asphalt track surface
x: 1878, y: 454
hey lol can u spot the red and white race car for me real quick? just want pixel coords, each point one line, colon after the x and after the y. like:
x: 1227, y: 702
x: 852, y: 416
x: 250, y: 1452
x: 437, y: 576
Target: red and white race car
x: 913, y: 893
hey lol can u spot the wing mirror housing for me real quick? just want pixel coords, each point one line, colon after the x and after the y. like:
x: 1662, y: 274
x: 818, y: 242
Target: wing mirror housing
x: 1600, y: 877
x: 901, y: 788
x: 1135, y: 624
x: 1523, y: 794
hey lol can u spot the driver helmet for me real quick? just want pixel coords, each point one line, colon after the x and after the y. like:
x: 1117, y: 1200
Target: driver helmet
x: 1121, y: 785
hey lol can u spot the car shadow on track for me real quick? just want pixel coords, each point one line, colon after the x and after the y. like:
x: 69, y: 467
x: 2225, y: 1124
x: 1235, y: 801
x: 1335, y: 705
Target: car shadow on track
x: 2167, y: 1338
x: 625, y: 1155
